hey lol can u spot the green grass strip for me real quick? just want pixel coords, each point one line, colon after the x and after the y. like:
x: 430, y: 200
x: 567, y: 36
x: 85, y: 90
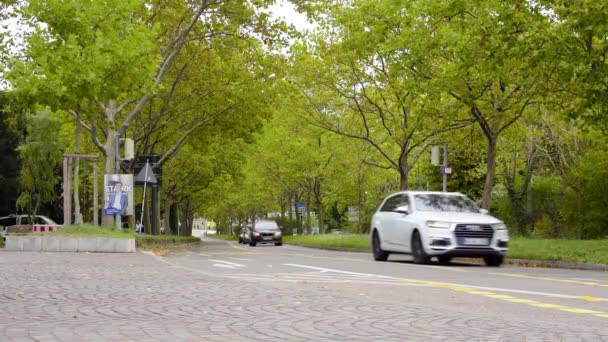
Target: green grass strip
x: 91, y: 231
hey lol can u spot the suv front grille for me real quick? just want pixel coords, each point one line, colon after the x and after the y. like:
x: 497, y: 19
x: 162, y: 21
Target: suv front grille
x: 473, y: 234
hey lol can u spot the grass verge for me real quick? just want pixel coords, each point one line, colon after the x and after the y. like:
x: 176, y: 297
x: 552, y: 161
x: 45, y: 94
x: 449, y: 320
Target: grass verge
x: 583, y: 251
x: 224, y: 237
x: 92, y: 231
x: 578, y: 251
x: 345, y: 241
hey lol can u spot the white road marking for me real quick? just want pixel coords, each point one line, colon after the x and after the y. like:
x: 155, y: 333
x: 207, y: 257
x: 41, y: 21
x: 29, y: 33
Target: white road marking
x: 325, y: 270
x: 240, y: 259
x: 546, y: 294
x: 226, y: 264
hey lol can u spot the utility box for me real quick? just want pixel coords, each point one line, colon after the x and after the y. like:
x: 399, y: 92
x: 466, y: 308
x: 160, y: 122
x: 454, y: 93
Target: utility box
x: 129, y: 149
x: 435, y: 155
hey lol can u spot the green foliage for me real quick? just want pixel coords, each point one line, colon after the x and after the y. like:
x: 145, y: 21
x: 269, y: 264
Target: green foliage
x: 159, y: 241
x: 113, y: 48
x: 547, y: 198
x: 9, y: 158
x: 584, y: 208
x: 41, y: 157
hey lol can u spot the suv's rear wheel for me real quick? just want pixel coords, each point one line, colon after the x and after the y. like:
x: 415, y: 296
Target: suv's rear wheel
x: 494, y: 260
x: 379, y: 253
x: 420, y: 256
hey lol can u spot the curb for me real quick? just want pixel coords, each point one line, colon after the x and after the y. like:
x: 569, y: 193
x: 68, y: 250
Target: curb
x: 557, y: 264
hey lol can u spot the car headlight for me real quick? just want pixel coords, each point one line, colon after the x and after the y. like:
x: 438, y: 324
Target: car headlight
x: 438, y: 224
x: 499, y: 226
x: 277, y: 233
x: 256, y: 234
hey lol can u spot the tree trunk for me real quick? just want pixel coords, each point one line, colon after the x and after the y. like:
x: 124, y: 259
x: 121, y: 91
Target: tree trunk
x: 290, y: 211
x: 110, y: 150
x: 308, y: 214
x: 173, y: 219
x: 404, y: 170
x: 491, y: 171
x: 86, y: 217
x: 76, y: 181
x: 167, y: 222
x: 360, y: 197
x: 283, y: 216
x: 319, y: 199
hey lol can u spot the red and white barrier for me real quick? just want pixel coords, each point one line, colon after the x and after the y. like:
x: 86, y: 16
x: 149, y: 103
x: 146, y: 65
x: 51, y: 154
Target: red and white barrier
x: 41, y: 228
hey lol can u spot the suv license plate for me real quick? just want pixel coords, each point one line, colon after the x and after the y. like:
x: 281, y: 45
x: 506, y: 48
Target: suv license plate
x: 476, y: 241
x: 267, y: 238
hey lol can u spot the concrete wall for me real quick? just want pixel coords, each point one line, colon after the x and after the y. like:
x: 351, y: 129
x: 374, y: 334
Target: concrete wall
x: 69, y: 244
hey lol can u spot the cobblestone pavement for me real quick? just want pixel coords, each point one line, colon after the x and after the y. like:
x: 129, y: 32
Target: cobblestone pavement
x: 138, y: 297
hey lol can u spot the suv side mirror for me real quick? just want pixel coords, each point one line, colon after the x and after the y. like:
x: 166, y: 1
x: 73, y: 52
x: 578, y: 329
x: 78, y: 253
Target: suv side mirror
x: 404, y: 209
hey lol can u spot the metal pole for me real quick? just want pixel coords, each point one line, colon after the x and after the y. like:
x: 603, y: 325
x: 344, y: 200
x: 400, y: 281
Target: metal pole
x: 95, y: 195
x: 66, y: 193
x: 155, y: 229
x: 143, y: 201
x: 445, y: 165
x: 118, y: 217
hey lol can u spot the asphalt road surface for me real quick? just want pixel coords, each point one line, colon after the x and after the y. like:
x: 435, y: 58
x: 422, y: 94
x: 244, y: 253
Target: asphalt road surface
x: 223, y: 291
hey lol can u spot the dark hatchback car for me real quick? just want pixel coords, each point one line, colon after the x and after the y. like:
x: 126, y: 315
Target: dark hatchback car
x: 265, y: 232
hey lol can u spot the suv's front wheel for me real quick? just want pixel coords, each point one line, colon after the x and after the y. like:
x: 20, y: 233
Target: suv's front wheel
x: 494, y: 260
x: 420, y: 256
x: 379, y: 253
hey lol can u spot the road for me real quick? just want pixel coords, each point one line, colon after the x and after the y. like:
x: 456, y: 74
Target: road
x: 223, y: 291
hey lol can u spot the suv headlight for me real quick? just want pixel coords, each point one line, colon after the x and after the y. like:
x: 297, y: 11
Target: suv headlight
x: 277, y: 233
x: 438, y: 224
x: 256, y: 234
x: 499, y: 226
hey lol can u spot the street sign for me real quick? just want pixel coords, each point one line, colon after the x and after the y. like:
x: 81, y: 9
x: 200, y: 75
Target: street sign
x: 301, y: 206
x: 146, y: 175
x: 152, y: 160
x: 446, y: 170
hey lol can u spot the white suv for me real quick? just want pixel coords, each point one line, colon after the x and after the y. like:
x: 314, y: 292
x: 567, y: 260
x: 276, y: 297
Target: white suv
x: 437, y: 224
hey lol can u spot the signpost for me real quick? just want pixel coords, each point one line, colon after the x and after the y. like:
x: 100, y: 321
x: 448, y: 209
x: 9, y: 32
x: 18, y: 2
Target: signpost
x: 146, y: 176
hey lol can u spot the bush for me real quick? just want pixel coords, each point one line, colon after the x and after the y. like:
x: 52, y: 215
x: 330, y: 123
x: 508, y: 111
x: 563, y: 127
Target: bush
x: 584, y: 209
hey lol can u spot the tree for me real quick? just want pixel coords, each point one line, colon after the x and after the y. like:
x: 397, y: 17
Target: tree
x: 121, y: 65
x: 363, y: 83
x: 41, y: 158
x: 481, y: 51
x: 10, y: 137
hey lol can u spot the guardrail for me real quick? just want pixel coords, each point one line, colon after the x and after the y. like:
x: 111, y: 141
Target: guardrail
x: 41, y: 228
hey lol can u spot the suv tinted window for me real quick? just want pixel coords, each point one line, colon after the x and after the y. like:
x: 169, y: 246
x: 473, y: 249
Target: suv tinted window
x: 391, y: 203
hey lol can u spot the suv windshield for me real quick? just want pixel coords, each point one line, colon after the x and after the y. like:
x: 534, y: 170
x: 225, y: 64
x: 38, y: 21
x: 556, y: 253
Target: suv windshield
x: 440, y: 202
